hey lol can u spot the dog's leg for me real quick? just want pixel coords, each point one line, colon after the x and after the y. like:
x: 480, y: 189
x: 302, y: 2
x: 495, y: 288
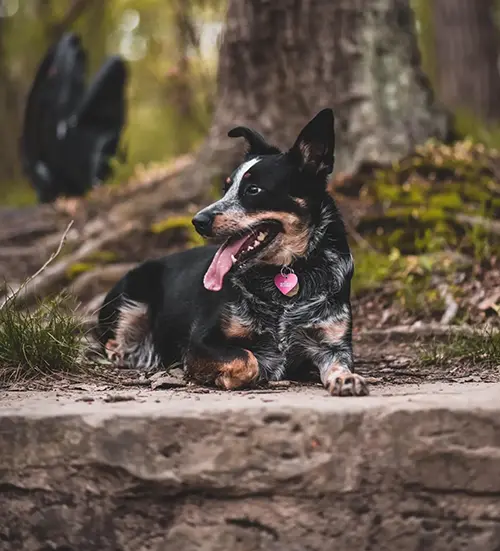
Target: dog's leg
x: 330, y: 348
x: 336, y: 375
x: 229, y: 367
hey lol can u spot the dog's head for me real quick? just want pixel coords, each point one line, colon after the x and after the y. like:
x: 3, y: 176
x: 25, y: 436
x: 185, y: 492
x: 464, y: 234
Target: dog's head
x: 266, y: 214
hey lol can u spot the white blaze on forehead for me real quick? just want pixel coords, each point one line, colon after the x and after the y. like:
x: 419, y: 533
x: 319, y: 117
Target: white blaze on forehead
x: 230, y: 200
x: 232, y: 193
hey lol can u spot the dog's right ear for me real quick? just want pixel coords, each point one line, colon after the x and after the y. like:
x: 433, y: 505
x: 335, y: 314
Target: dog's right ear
x: 315, y: 145
x: 257, y: 144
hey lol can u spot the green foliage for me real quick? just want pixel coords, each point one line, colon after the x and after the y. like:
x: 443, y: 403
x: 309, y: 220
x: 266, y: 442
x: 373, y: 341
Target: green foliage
x: 17, y: 194
x: 103, y: 256
x: 47, y: 340
x: 424, y: 195
x: 371, y: 269
x: 410, y: 278
x: 90, y: 263
x: 478, y: 131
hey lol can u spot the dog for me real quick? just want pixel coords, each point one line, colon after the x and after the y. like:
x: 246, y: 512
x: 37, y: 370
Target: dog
x: 273, y: 298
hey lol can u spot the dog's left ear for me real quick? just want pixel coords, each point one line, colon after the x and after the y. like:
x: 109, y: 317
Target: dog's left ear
x: 257, y: 144
x: 316, y: 143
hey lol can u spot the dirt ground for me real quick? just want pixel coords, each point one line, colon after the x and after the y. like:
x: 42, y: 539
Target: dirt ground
x: 94, y: 397
x: 388, y: 360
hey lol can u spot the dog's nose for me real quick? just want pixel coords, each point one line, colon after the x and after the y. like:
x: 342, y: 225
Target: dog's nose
x: 203, y: 223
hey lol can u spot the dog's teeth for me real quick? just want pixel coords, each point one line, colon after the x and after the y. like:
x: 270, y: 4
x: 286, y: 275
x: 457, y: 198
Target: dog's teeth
x: 233, y: 258
x: 255, y: 243
x: 250, y: 248
x: 261, y: 236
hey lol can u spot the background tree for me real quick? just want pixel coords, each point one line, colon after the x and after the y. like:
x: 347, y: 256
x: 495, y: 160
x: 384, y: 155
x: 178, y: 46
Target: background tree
x: 11, y: 107
x: 282, y: 61
x: 467, y: 50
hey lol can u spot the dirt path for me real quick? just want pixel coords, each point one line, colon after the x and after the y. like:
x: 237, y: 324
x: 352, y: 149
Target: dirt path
x: 97, y: 399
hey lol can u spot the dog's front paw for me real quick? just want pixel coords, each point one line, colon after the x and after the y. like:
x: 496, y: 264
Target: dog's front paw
x: 238, y: 373
x: 345, y: 383
x: 114, y: 353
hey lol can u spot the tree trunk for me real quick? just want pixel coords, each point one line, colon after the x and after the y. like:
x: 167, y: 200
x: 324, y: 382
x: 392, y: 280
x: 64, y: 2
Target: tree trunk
x: 10, y: 115
x: 467, y: 50
x: 281, y: 61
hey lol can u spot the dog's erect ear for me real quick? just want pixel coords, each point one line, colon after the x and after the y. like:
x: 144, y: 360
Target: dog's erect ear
x: 315, y: 145
x: 257, y: 144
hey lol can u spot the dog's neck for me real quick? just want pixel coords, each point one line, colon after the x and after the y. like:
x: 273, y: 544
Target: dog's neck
x: 327, y: 240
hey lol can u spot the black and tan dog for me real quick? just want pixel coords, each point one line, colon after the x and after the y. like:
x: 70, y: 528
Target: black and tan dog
x: 274, y: 297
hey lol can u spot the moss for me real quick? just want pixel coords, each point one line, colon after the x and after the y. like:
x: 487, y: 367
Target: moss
x: 425, y: 35
x: 103, y: 256
x: 477, y: 129
x: 79, y: 268
x: 17, y: 194
x: 417, y: 295
x: 371, y: 268
x: 449, y: 201
x: 179, y: 222
x: 410, y: 276
x: 418, y: 197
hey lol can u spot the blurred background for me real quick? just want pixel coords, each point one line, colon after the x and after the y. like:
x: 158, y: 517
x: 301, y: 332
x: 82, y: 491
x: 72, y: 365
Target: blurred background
x: 171, y: 49
x: 415, y: 86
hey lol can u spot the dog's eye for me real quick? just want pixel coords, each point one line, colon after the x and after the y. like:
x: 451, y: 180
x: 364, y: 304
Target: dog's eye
x: 253, y: 190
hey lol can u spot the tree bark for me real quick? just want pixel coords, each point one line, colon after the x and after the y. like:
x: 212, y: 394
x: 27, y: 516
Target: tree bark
x: 467, y: 49
x: 10, y: 115
x: 281, y: 61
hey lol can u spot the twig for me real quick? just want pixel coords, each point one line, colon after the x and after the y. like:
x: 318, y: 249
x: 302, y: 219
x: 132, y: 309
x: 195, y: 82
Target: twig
x: 15, y: 293
x: 56, y: 275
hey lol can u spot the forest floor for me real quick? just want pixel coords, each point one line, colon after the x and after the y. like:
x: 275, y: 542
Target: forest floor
x: 426, y: 243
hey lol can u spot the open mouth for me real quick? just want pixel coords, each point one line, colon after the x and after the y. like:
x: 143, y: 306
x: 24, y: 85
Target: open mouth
x: 238, y: 249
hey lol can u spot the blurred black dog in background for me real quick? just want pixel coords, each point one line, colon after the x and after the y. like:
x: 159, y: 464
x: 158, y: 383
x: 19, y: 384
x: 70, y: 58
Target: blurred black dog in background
x: 71, y: 129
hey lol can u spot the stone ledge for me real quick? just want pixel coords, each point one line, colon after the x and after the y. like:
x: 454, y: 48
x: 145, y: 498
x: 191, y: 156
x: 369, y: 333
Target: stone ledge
x: 246, y: 471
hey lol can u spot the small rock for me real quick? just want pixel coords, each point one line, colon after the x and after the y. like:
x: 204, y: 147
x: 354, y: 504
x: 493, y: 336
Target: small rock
x: 157, y: 376
x: 167, y: 381
x: 110, y: 398
x: 85, y: 399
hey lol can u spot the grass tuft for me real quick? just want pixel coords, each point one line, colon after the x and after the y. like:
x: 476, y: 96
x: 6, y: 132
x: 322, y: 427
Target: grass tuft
x: 477, y: 348
x: 45, y: 341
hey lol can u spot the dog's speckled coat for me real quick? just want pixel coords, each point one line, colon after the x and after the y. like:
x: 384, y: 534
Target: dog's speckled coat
x: 249, y: 330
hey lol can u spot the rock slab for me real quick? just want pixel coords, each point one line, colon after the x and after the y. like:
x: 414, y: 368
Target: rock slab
x: 241, y: 472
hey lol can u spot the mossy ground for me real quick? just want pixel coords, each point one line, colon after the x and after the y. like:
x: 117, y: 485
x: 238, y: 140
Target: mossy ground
x: 425, y: 227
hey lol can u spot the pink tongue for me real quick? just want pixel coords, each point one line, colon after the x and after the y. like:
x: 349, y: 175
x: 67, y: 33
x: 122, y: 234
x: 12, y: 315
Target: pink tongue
x: 221, y: 264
